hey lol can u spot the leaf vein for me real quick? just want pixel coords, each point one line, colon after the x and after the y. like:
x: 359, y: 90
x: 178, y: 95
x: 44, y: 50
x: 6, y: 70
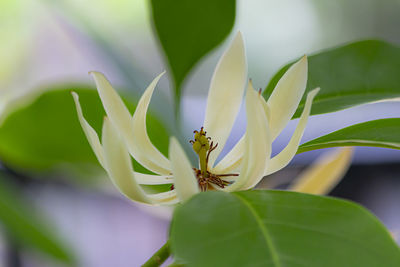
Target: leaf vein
x: 264, y: 231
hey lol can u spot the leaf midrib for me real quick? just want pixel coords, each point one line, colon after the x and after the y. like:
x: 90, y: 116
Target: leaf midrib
x: 264, y: 231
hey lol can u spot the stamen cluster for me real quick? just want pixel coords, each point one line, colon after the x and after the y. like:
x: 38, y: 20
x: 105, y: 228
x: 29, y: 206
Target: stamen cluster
x: 203, y: 146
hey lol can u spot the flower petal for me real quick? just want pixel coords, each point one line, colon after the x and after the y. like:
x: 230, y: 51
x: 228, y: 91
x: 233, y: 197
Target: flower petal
x: 225, y: 95
x: 150, y: 179
x: 119, y: 166
x: 114, y: 106
x: 90, y: 133
x: 286, y: 96
x: 325, y: 173
x: 141, y: 147
x: 134, y: 133
x: 285, y: 156
x: 232, y: 160
x: 184, y: 180
x: 257, y: 144
x: 165, y: 198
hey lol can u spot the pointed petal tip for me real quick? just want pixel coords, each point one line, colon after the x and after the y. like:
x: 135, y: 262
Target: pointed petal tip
x: 159, y: 76
x: 96, y: 75
x: 239, y: 40
x: 250, y: 85
x: 239, y: 34
x: 314, y: 92
x: 303, y: 60
x: 74, y: 95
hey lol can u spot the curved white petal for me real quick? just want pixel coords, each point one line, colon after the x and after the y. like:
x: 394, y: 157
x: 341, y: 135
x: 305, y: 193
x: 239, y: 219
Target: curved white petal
x: 141, y: 147
x: 165, y: 198
x: 325, y: 173
x: 185, y: 182
x: 257, y: 144
x: 286, y: 96
x: 113, y: 105
x: 232, y: 160
x: 90, y: 133
x: 285, y: 156
x: 225, y: 95
x: 134, y: 133
x: 119, y: 166
x: 150, y: 179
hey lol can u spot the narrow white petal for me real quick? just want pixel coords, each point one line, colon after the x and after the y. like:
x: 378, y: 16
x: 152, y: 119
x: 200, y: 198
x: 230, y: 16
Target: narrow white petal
x: 225, y: 94
x: 135, y: 136
x: 113, y: 105
x: 325, y: 173
x: 232, y: 160
x: 285, y: 156
x: 119, y: 166
x: 185, y: 181
x: 90, y: 133
x: 141, y: 147
x: 286, y: 96
x: 165, y: 198
x: 150, y: 179
x: 257, y: 144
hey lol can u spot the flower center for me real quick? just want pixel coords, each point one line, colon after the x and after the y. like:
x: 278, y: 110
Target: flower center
x: 203, y: 146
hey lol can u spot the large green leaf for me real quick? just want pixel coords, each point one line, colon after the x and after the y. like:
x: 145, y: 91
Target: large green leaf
x: 46, y: 134
x: 25, y: 226
x: 188, y: 30
x: 350, y: 75
x: 379, y: 133
x: 279, y: 228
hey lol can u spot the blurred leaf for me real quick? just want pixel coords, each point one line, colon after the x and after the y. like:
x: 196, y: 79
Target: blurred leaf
x: 278, y: 228
x: 350, y: 75
x: 46, y: 134
x: 378, y: 133
x: 188, y: 30
x: 28, y: 227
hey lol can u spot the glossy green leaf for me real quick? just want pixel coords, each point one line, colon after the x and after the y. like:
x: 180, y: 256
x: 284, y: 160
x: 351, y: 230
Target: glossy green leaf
x: 350, y: 75
x: 279, y: 228
x: 24, y: 225
x: 378, y: 133
x: 188, y: 30
x: 46, y: 133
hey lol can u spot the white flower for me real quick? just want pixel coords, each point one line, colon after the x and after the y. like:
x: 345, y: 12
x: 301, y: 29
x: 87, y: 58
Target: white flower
x: 242, y: 168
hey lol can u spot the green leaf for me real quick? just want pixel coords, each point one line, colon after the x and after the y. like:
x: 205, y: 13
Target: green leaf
x: 23, y: 223
x: 278, y: 228
x: 350, y: 75
x: 378, y: 133
x: 46, y: 134
x: 188, y: 30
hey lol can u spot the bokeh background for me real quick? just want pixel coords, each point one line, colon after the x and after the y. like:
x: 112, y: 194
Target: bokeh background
x: 48, y: 44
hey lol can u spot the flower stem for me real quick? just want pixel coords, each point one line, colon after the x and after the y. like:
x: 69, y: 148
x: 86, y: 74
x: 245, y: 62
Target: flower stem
x: 159, y: 257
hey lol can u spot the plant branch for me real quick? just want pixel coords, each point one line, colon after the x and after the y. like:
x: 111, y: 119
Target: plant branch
x: 159, y: 257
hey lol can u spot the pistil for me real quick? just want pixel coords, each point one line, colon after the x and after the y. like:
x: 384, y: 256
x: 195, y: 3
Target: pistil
x: 203, y: 146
